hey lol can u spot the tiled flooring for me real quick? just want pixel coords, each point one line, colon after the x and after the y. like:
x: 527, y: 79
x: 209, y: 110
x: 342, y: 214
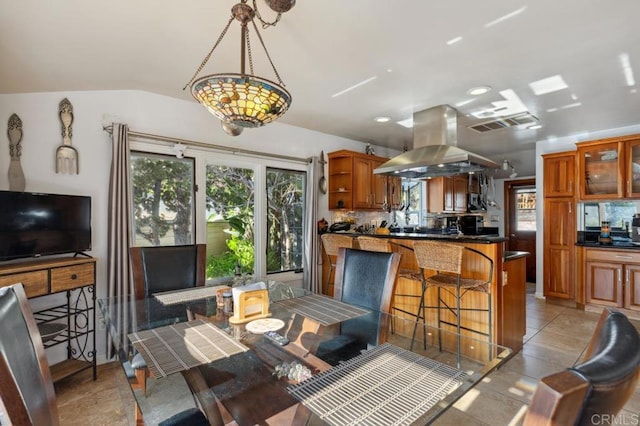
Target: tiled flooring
x: 556, y: 337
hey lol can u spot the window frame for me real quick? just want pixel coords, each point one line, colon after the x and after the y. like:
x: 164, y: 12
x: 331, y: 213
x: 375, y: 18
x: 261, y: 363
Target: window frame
x: 204, y: 156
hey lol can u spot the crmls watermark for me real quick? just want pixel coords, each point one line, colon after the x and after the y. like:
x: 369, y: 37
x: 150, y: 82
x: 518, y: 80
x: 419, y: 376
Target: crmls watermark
x: 618, y: 419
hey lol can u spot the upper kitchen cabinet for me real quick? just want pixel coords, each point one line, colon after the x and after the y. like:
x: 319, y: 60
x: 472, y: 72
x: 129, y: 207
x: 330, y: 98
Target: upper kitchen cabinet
x: 609, y: 168
x: 447, y: 194
x: 352, y: 183
x: 559, y: 174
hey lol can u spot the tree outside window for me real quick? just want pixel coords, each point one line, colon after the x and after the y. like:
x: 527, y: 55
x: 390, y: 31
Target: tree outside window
x: 163, y: 193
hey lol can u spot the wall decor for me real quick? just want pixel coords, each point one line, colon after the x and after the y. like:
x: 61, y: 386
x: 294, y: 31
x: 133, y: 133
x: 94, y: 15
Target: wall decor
x: 14, y: 133
x: 66, y: 155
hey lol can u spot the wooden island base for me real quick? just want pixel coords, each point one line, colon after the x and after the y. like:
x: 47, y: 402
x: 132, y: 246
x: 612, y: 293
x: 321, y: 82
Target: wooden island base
x: 508, y: 290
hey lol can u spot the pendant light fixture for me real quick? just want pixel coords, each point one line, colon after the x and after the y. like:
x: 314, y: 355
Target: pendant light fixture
x: 243, y: 99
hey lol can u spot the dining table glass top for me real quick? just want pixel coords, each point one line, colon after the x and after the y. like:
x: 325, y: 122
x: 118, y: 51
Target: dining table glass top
x: 340, y: 364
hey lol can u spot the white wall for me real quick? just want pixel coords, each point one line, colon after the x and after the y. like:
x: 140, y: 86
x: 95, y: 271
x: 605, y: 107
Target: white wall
x: 143, y: 112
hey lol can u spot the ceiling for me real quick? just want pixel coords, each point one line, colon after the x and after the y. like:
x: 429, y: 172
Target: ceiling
x: 402, y: 48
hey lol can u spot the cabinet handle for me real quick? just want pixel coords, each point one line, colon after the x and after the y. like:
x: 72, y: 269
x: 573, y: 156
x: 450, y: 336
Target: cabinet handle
x: 74, y: 276
x: 627, y: 281
x: 619, y: 256
x: 570, y: 186
x: 570, y: 208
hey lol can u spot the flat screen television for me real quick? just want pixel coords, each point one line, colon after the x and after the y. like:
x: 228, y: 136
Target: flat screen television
x: 36, y: 224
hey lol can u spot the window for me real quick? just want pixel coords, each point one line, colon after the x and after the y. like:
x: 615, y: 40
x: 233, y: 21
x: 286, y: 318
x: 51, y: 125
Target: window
x: 526, y: 209
x: 250, y: 211
x: 230, y: 224
x: 163, y: 194
x: 285, y: 219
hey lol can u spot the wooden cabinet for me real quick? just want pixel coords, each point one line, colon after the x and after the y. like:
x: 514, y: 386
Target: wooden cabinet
x: 559, y: 174
x: 560, y: 232
x: 76, y: 277
x: 609, y: 168
x: 559, y: 248
x: 447, y: 194
x: 352, y: 183
x: 512, y: 325
x: 612, y: 278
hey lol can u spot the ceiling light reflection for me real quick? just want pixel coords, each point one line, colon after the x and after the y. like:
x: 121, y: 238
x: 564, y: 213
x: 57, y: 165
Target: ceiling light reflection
x: 505, y: 17
x: 355, y: 86
x: 454, y: 40
x: 408, y: 123
x: 625, y: 62
x: 548, y: 85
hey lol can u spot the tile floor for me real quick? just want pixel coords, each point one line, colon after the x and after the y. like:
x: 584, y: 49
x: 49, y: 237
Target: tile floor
x: 556, y: 337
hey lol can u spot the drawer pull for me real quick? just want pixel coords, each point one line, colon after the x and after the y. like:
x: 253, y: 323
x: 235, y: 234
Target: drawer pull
x: 74, y: 276
x: 623, y: 257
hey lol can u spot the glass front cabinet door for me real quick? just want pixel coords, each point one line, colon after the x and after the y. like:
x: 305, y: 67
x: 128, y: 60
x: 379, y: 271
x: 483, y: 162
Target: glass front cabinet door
x: 600, y: 170
x: 633, y: 168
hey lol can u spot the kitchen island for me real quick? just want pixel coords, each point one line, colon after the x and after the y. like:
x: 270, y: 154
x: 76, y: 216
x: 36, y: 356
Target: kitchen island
x: 507, y: 289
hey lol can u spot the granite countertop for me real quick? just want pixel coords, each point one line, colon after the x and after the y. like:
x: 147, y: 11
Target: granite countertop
x: 488, y: 239
x: 624, y: 245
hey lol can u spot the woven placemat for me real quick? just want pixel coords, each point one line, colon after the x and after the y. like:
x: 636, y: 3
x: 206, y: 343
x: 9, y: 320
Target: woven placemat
x: 170, y: 349
x: 323, y: 309
x: 188, y: 295
x: 386, y: 385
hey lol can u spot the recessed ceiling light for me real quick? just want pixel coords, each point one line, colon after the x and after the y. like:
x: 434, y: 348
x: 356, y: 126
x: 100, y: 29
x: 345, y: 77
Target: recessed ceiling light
x: 382, y: 119
x: 477, y: 91
x: 548, y: 85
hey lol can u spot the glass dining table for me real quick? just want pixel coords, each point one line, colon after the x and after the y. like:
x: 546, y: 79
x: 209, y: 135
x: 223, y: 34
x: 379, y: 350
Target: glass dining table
x: 339, y: 364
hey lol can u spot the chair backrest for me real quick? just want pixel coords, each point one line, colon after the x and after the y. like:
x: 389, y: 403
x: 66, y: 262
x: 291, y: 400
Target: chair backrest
x: 165, y: 268
x: 441, y: 257
x: 366, y: 278
x: 599, y: 385
x: 26, y: 389
x: 333, y: 242
x: 374, y: 244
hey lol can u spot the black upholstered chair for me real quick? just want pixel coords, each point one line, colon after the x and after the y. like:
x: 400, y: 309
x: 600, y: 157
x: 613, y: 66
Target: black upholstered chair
x: 366, y: 279
x: 165, y: 268
x: 26, y: 387
x: 594, y: 390
x: 157, y: 269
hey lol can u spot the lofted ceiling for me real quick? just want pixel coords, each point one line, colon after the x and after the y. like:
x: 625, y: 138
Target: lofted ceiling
x: 402, y: 56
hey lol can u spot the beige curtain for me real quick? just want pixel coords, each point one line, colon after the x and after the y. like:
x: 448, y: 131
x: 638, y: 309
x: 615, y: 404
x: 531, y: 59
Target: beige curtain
x: 311, y: 265
x: 120, y: 281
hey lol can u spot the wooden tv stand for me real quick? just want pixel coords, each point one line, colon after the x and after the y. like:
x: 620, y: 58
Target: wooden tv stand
x: 75, y: 276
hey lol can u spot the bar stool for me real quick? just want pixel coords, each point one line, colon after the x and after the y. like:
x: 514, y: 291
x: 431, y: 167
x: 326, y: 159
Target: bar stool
x: 331, y: 244
x: 374, y: 244
x: 446, y: 260
x: 384, y: 245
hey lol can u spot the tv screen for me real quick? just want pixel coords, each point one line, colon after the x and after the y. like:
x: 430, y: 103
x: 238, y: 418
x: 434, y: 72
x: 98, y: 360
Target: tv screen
x: 35, y: 224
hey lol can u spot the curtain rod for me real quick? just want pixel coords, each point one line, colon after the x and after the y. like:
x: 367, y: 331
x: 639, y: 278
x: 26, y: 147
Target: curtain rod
x: 149, y: 136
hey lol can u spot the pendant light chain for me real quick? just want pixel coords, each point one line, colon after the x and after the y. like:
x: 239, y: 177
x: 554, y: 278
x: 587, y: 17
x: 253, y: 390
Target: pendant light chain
x: 267, y: 52
x: 249, y: 53
x: 265, y: 24
x: 206, y: 58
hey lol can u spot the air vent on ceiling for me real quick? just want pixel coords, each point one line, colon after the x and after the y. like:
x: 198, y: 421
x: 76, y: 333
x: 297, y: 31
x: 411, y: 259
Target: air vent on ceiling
x: 504, y: 122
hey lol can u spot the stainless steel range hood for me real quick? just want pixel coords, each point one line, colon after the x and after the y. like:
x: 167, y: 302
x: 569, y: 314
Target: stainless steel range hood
x: 435, y: 151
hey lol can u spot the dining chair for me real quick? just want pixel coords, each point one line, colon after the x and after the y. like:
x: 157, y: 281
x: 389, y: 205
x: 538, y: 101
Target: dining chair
x: 331, y: 243
x: 365, y: 279
x: 446, y: 259
x: 27, y: 393
x: 157, y: 269
x: 597, y: 388
x: 165, y: 268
